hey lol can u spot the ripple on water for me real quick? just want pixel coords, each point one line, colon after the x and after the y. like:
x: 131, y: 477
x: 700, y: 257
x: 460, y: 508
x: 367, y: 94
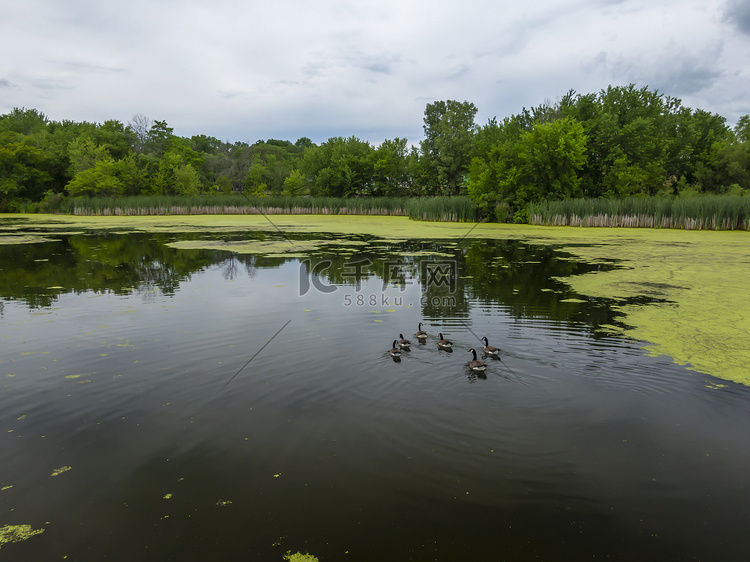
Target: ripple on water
x: 567, y: 424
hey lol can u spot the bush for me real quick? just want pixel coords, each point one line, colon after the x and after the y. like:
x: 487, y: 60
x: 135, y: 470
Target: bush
x: 503, y: 212
x: 51, y: 202
x: 521, y: 216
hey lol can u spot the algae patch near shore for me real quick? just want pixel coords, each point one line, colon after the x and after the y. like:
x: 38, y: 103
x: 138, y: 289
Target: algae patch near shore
x: 698, y: 313
x: 696, y: 282
x: 299, y: 557
x: 248, y: 246
x: 23, y: 239
x: 17, y: 533
x: 272, y: 247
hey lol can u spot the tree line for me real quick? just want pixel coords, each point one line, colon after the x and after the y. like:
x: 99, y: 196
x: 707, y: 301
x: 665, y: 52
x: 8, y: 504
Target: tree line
x: 619, y: 142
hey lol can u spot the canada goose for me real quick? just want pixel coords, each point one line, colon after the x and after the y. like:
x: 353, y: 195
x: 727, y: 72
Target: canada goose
x: 421, y: 334
x: 445, y: 344
x: 476, y: 364
x: 404, y: 343
x: 395, y: 351
x: 490, y: 349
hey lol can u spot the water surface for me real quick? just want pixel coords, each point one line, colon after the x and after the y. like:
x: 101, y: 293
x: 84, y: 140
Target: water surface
x: 213, y: 405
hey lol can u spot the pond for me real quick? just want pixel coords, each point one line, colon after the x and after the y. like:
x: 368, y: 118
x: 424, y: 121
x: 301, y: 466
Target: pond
x: 230, y: 396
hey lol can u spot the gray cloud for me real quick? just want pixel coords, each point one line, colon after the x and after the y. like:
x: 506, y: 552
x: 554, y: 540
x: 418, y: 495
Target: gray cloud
x: 458, y: 72
x: 83, y: 66
x: 686, y: 77
x: 226, y: 94
x: 380, y: 68
x: 287, y: 69
x: 688, y: 73
x: 597, y: 62
x: 51, y: 84
x: 737, y: 12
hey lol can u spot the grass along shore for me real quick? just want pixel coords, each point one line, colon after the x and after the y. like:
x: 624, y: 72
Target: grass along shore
x: 704, y: 212
x: 448, y: 209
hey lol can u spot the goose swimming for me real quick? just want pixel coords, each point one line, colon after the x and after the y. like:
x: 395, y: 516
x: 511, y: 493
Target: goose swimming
x: 445, y: 344
x: 490, y: 349
x: 476, y: 364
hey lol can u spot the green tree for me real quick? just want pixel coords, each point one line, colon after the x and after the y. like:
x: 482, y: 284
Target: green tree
x: 449, y: 130
x: 543, y: 163
x: 391, y: 168
x: 84, y: 154
x: 205, y: 144
x: 186, y: 152
x: 164, y: 180
x: 339, y: 167
x: 115, y: 137
x: 159, y: 138
x: 102, y: 180
x: 279, y: 158
x: 729, y: 166
x: 24, y: 168
x: 24, y: 121
x: 742, y: 130
x: 295, y: 184
x: 494, y: 179
x: 633, y: 145
x: 690, y: 138
x: 636, y: 160
x: 552, y: 154
x: 133, y: 177
x: 187, y: 180
x: 219, y: 168
x: 257, y: 177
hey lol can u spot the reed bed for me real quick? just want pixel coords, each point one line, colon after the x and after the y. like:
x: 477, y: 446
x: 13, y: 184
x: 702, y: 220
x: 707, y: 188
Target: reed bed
x: 707, y: 212
x: 450, y: 209
x: 446, y: 209
x: 233, y: 205
x: 233, y: 210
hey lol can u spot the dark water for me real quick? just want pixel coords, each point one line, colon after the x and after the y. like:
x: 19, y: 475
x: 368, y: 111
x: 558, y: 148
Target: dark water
x: 195, y: 430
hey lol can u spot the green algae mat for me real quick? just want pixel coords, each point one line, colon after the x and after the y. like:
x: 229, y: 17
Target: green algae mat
x: 694, y: 283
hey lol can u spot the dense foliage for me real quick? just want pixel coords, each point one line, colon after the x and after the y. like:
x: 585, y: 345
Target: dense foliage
x: 620, y: 142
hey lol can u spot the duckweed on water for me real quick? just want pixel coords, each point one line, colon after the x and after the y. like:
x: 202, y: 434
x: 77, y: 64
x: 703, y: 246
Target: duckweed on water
x: 25, y: 239
x: 17, y: 533
x: 299, y: 557
x: 699, y: 314
x: 281, y: 247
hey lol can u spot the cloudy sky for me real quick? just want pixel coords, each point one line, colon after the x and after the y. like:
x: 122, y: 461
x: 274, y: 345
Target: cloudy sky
x: 243, y: 71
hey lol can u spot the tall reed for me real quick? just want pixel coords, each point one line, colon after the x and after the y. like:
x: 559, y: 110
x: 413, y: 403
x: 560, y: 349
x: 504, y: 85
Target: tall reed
x: 432, y: 209
x: 705, y: 212
x: 447, y: 209
x: 234, y: 204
